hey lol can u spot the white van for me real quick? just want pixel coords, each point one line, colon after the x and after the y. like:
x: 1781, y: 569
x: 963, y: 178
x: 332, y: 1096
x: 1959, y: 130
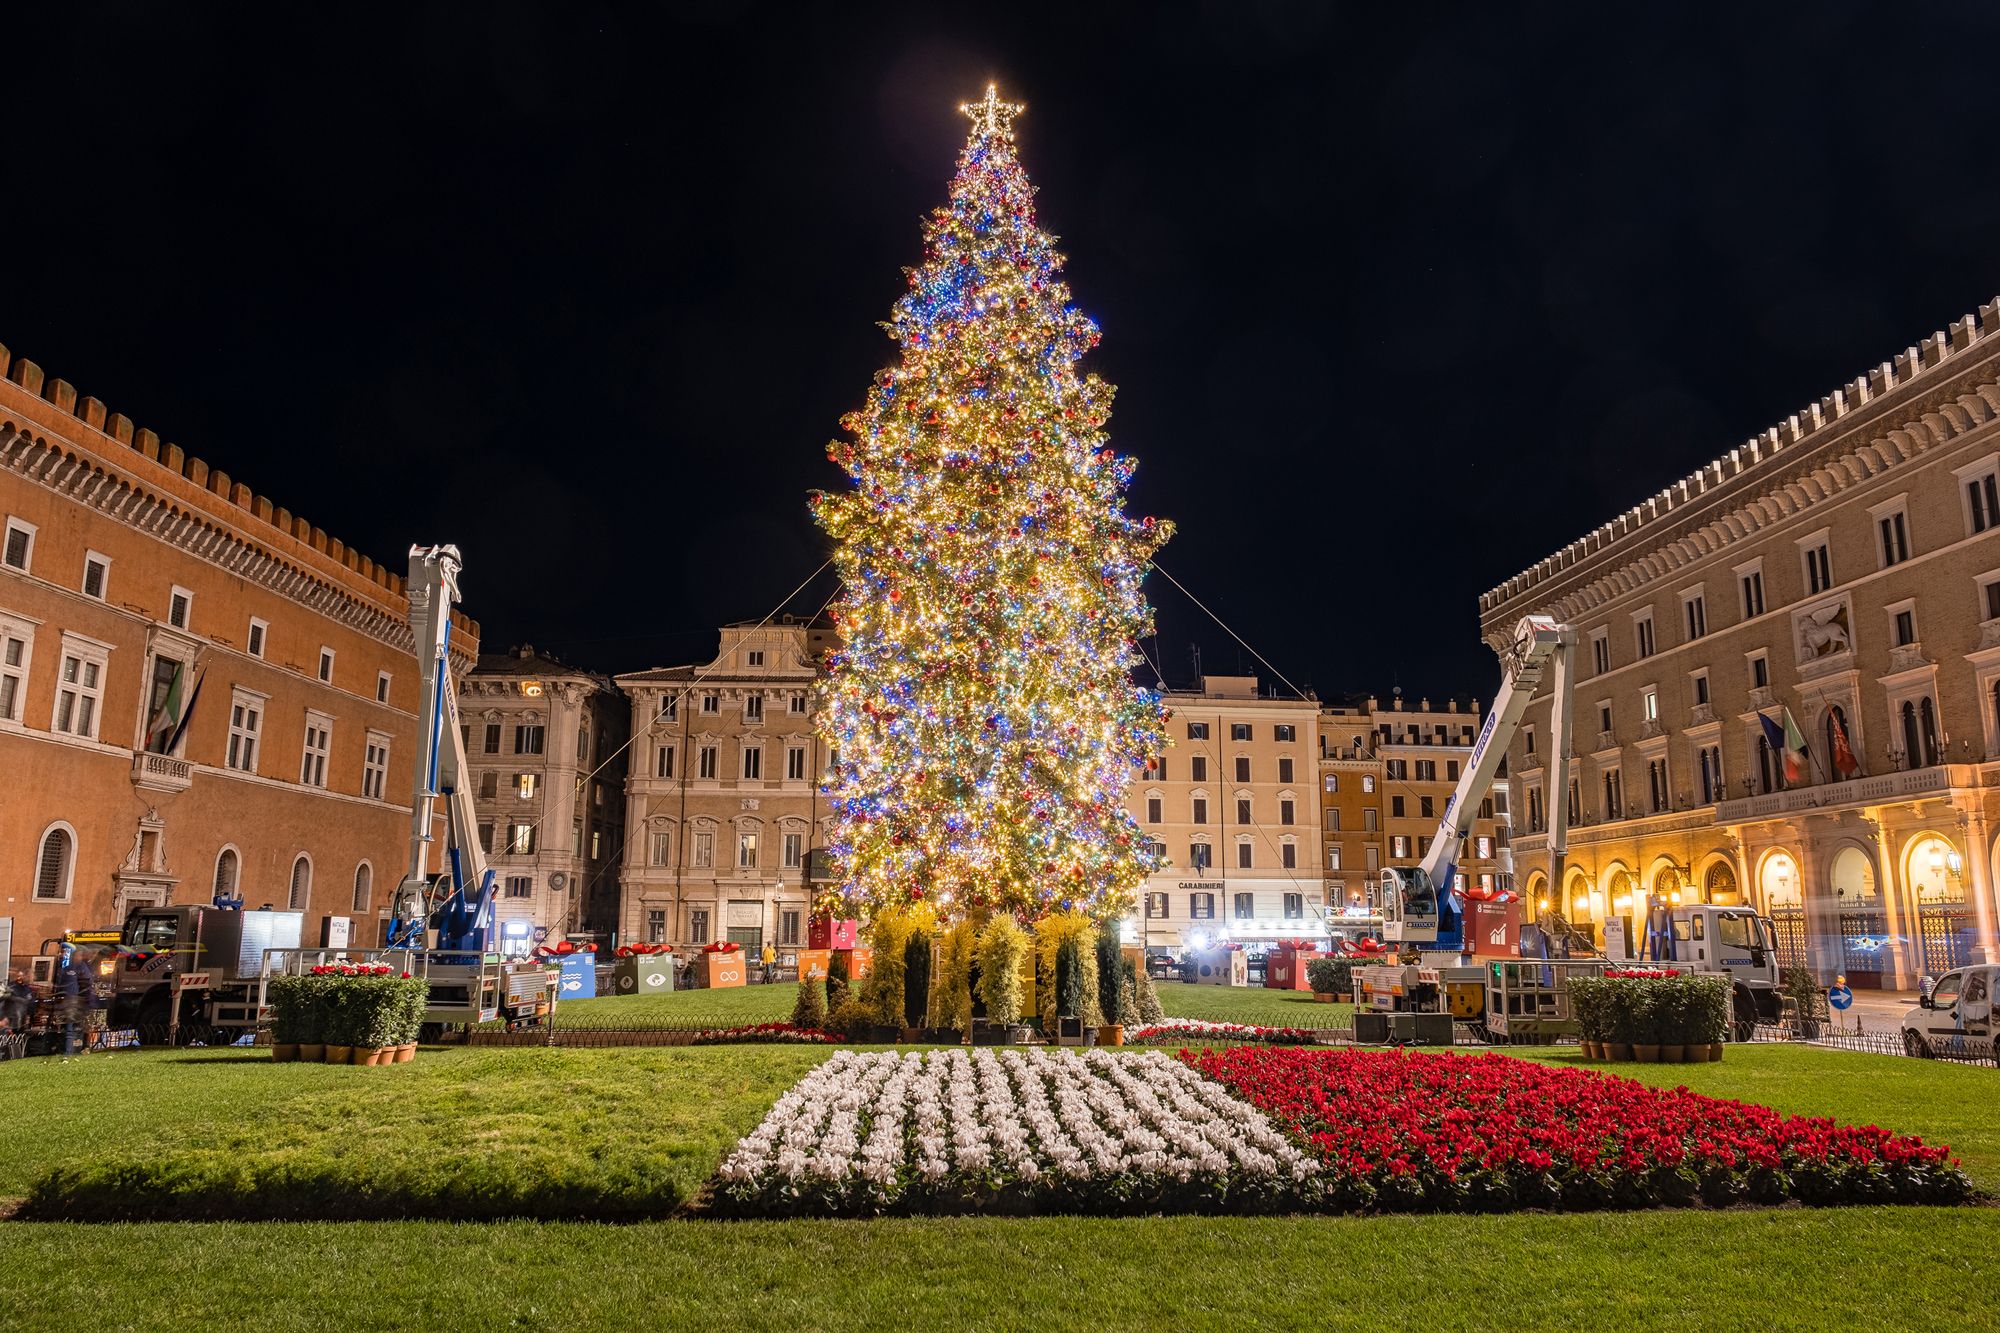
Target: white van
x: 1956, y: 1017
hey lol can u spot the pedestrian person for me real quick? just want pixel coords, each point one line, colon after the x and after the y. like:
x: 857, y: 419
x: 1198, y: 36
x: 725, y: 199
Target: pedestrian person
x: 77, y: 995
x: 770, y: 961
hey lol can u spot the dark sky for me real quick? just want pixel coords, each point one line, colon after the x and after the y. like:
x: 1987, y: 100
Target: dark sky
x: 1396, y: 303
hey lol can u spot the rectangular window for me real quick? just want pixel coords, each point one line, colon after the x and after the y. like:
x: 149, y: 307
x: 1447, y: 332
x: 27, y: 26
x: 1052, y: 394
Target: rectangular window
x: 1288, y: 855
x: 1198, y: 854
x: 319, y: 739
x: 663, y: 762
x: 1642, y: 629
x: 1331, y: 781
x: 1760, y: 672
x: 1982, y: 500
x: 1285, y: 770
x: 96, y: 572
x: 711, y: 703
x: 1604, y: 717
x: 1239, y: 731
x: 669, y: 707
x: 1818, y: 559
x: 1699, y: 681
x: 520, y: 886
x: 520, y: 838
x: 1528, y: 738
x: 180, y: 605
x: 1483, y: 847
x: 663, y: 847
x: 1157, y: 768
x: 708, y: 762
x: 795, y: 764
x: 16, y: 644
x: 697, y: 925
x: 1696, y: 608
x: 1156, y: 905
x: 1427, y: 770
x: 1200, y: 810
x: 1197, y: 731
x: 1332, y: 819
x: 246, y: 727
x: 381, y: 687
x: 1242, y: 769
x: 1710, y: 757
x: 1368, y: 820
x: 1198, y: 768
x: 1367, y: 782
x: 795, y: 850
x: 1600, y: 651
x: 1244, y: 906
x: 1285, y: 810
x: 755, y: 657
x: 1295, y: 903
x: 1242, y: 811
x: 1649, y: 704
x: 798, y: 703
x: 1906, y: 628
x: 1243, y: 856
x: 1427, y: 807
x: 1201, y: 906
x: 375, y: 767
x: 704, y: 851
x: 1283, y: 732
x: 788, y: 928
x: 254, y: 643
x: 753, y: 763
x: 1373, y: 856
x: 490, y: 741
x: 1894, y: 528
x: 1395, y: 807
x: 526, y: 785
x: 746, y: 851
x: 1152, y: 809
x: 1399, y: 845
x: 486, y: 837
x: 656, y: 926
x: 20, y: 549
x: 753, y: 708
x: 1333, y: 857
x: 326, y: 664
x: 529, y: 738
x: 1752, y: 584
x: 1990, y: 597
x: 80, y: 688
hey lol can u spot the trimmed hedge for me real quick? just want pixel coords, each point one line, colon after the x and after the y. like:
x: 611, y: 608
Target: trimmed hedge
x: 348, y: 1006
x: 1652, y: 1011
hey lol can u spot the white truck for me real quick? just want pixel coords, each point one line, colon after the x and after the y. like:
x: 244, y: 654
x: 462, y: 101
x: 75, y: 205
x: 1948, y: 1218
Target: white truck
x: 1955, y: 1017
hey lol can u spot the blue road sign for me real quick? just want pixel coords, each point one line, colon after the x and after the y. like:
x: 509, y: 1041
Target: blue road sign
x: 1839, y: 996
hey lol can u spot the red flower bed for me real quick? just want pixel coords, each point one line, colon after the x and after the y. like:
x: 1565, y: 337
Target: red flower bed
x: 1397, y: 1131
x: 765, y: 1033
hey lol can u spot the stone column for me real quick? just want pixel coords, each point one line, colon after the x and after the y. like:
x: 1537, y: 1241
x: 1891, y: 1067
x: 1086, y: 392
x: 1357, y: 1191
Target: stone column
x: 1979, y: 879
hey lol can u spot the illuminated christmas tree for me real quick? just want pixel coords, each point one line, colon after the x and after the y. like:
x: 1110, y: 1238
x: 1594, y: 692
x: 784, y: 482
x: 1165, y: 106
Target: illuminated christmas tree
x: 981, y: 706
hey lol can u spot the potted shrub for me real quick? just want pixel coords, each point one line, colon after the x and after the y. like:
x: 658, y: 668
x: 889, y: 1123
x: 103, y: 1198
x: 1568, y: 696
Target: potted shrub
x: 809, y: 1010
x: 851, y: 1020
x: 1150, y: 1010
x: 1330, y: 979
x: 1003, y: 947
x: 1646, y: 1015
x: 1670, y: 1012
x: 1708, y: 1016
x: 951, y: 985
x: 1110, y: 988
x: 916, y: 984
x: 342, y: 1015
x: 1618, y: 1021
x: 1587, y: 1007
x: 294, y: 1020
x: 1069, y: 992
x: 1808, y: 1000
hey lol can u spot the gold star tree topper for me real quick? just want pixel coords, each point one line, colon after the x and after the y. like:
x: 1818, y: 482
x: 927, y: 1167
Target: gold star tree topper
x: 990, y: 115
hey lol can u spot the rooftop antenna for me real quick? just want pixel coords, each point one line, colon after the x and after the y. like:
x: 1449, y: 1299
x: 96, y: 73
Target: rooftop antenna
x: 1194, y: 651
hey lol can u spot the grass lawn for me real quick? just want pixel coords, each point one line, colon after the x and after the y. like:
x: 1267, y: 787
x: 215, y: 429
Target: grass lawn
x: 768, y: 1004
x: 660, y: 1117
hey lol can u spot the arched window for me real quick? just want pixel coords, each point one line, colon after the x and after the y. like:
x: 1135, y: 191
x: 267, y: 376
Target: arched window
x: 302, y: 875
x: 1927, y: 714
x: 1767, y: 771
x: 228, y: 869
x: 55, y: 864
x: 1912, y: 742
x: 364, y: 880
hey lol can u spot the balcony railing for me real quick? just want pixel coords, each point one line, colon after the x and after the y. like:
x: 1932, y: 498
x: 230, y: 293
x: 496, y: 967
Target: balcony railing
x: 161, y: 772
x: 1856, y: 791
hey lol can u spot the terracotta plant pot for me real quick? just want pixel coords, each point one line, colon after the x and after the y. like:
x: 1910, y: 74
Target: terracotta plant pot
x: 1111, y: 1034
x: 340, y: 1055
x: 913, y: 1035
x: 1714, y: 1051
x: 1616, y: 1051
x: 1646, y: 1053
x: 406, y: 1052
x: 1673, y: 1055
x: 1323, y: 997
x: 1590, y: 1051
x: 312, y: 1052
x: 284, y: 1052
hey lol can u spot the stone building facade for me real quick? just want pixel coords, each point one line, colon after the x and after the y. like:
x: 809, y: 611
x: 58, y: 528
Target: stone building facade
x: 545, y: 743
x: 722, y: 804
x: 130, y: 574
x: 1840, y: 570
x: 1233, y: 804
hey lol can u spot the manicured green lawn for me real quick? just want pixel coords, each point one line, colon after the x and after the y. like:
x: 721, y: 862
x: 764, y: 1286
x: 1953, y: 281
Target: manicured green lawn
x: 1811, y: 1271
x: 770, y: 1004
x: 459, y: 1132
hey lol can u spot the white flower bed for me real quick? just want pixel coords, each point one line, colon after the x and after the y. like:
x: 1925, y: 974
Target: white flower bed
x: 1014, y: 1130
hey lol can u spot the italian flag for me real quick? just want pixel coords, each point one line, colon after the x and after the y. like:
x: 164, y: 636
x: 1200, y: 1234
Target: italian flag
x: 1795, y: 750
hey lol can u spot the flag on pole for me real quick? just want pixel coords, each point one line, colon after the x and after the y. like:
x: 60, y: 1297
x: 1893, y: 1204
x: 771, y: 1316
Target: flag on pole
x: 1844, y: 761
x: 1774, y: 736
x: 187, y: 714
x: 1795, y: 750
x: 161, y: 726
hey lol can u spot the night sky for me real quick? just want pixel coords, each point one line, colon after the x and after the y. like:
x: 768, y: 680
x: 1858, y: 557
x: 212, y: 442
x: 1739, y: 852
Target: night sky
x: 1396, y: 303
